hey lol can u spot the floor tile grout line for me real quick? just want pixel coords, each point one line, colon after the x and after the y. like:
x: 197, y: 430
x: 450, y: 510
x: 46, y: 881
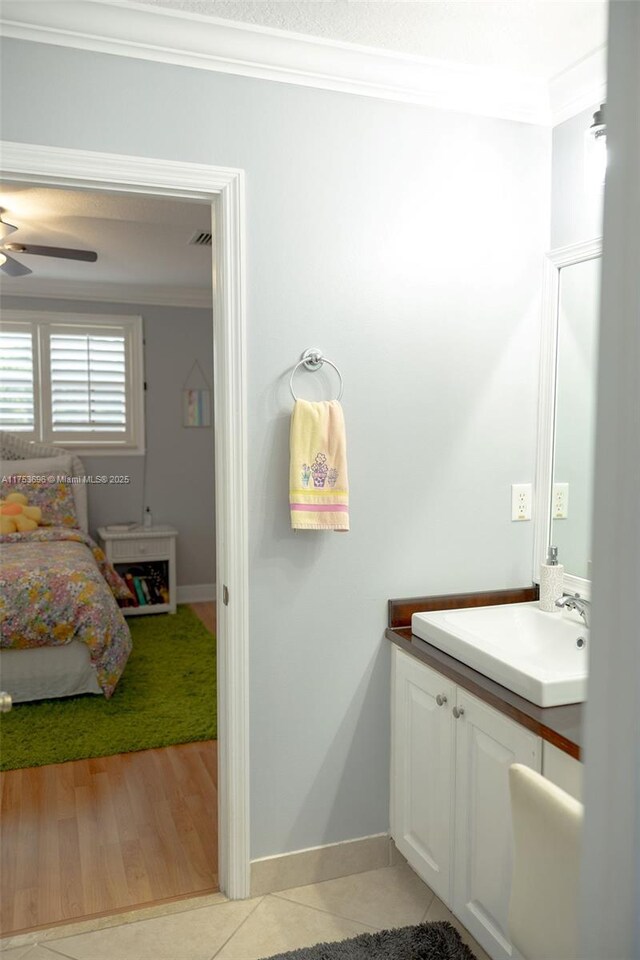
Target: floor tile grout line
x: 239, y: 927
x: 456, y: 923
x: 329, y: 913
x: 280, y: 895
x: 44, y: 944
x: 431, y: 902
x: 113, y: 926
x: 52, y: 951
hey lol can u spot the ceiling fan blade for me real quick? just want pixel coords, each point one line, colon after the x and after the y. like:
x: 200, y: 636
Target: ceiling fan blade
x: 12, y: 268
x: 64, y: 253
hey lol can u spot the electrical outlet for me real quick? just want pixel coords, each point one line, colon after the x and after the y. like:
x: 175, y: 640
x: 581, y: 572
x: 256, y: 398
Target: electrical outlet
x: 521, y: 501
x: 560, y: 503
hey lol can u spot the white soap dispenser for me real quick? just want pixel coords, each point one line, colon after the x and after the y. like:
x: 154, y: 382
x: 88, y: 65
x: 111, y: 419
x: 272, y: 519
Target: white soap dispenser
x: 551, y: 581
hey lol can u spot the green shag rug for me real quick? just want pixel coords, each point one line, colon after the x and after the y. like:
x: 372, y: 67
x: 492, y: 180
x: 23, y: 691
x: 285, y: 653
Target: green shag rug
x: 167, y: 694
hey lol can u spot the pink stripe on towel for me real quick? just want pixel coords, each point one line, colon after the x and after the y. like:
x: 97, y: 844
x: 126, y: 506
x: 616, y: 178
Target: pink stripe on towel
x: 321, y: 507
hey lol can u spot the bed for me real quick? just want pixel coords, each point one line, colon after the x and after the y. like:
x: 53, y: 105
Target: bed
x: 62, y: 630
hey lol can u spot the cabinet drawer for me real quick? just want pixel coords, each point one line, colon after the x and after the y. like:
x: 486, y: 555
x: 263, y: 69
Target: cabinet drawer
x: 159, y: 547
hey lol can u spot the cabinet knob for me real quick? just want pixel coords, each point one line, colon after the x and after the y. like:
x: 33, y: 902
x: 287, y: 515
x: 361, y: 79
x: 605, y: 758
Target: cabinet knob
x: 458, y: 712
x: 440, y: 700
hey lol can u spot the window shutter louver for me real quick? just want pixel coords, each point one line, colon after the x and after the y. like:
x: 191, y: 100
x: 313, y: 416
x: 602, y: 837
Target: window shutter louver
x: 88, y: 383
x: 17, y: 404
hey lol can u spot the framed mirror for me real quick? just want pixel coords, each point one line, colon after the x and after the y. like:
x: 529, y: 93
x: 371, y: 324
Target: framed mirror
x: 567, y: 405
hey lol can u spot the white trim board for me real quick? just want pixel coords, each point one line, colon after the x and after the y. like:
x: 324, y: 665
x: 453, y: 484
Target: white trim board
x: 196, y: 593
x: 224, y: 189
x: 553, y: 263
x: 315, y: 864
x: 106, y: 292
x: 581, y: 87
x: 126, y: 28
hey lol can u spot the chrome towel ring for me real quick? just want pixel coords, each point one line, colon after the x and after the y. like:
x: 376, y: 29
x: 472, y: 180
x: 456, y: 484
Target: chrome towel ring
x: 313, y: 360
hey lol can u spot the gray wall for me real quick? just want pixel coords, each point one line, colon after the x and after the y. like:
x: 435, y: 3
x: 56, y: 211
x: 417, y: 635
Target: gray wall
x: 179, y: 460
x: 407, y: 243
x: 576, y: 208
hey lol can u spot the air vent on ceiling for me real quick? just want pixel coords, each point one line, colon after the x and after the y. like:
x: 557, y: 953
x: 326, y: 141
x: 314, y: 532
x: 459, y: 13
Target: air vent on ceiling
x: 201, y: 238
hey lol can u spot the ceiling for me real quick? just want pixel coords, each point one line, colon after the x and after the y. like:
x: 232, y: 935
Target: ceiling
x: 141, y: 242
x: 538, y: 38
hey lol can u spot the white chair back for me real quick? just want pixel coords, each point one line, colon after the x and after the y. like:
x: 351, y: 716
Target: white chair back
x: 547, y: 829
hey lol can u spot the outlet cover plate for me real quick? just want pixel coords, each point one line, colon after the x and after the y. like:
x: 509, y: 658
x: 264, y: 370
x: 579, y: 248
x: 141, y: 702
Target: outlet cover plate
x: 521, y: 498
x: 560, y: 502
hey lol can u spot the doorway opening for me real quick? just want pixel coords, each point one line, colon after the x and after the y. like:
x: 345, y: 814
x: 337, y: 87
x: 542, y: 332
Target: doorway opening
x: 186, y: 811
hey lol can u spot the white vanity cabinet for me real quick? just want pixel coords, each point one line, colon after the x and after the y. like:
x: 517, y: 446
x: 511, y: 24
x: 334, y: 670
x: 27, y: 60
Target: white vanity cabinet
x: 422, y: 769
x: 450, y: 808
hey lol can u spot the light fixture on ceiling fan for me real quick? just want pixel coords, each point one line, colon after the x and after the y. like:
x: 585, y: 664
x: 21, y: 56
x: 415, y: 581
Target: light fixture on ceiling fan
x: 14, y: 268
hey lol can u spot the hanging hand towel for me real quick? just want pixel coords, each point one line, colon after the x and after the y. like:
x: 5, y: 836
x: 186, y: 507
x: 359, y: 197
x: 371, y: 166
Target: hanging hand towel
x: 318, y: 487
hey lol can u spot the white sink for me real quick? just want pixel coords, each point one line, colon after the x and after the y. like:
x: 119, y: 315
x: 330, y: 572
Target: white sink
x: 541, y: 656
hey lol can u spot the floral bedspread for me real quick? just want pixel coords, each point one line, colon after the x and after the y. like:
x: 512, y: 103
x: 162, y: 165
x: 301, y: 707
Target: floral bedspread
x: 56, y: 586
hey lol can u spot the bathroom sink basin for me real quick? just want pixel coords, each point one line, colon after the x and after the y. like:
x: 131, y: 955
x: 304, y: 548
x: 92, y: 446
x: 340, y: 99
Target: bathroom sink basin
x: 541, y: 656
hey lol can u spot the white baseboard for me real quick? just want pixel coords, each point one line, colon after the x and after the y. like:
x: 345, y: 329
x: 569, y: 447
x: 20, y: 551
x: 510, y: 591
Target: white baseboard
x: 315, y: 864
x: 197, y: 593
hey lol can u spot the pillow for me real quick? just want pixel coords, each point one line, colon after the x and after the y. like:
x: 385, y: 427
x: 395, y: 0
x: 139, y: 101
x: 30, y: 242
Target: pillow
x: 54, y: 499
x: 61, y: 466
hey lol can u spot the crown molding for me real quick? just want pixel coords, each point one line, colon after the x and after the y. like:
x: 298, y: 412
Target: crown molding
x: 581, y: 87
x: 106, y: 292
x: 129, y: 29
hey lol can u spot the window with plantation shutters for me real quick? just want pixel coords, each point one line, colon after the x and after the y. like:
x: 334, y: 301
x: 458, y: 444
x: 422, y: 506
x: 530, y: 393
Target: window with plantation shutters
x: 17, y: 399
x: 88, y: 383
x: 73, y: 381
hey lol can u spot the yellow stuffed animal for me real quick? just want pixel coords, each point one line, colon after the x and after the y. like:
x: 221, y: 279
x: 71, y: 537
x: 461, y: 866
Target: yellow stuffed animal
x: 17, y: 516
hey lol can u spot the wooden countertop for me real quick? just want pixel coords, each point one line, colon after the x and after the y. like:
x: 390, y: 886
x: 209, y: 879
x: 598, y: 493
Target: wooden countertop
x: 561, y: 726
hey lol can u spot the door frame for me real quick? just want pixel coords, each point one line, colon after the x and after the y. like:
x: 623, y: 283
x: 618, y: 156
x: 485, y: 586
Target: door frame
x: 223, y: 188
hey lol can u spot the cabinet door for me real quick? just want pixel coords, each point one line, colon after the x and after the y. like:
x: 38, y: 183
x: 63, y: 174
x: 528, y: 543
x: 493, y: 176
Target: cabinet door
x: 422, y: 757
x: 487, y: 743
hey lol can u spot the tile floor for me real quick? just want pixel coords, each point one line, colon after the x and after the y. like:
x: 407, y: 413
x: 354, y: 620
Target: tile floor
x: 253, y: 929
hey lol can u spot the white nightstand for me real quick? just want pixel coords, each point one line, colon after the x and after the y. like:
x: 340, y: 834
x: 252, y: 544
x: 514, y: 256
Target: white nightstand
x: 147, y: 554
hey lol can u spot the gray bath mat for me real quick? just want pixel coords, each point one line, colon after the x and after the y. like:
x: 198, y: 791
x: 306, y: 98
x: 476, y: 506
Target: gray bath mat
x: 426, y: 941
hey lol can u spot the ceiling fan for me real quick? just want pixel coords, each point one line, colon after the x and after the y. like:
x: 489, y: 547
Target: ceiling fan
x: 14, y: 268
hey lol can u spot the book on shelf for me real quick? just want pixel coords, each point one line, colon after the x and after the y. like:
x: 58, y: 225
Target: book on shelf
x: 145, y: 590
x: 147, y: 583
x: 122, y: 527
x: 158, y: 580
x: 153, y: 590
x: 128, y: 579
x: 139, y: 591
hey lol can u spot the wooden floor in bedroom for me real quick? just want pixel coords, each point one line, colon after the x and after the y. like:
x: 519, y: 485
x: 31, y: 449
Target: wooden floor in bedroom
x: 92, y: 837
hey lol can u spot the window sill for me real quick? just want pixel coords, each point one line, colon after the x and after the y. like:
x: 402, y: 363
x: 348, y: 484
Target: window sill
x: 104, y: 451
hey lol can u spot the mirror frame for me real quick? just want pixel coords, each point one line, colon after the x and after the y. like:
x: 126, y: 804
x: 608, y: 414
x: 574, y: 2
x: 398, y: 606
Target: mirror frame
x: 554, y: 261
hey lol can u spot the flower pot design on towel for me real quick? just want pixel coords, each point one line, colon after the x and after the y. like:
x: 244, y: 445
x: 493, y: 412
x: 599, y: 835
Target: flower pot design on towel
x: 319, y: 469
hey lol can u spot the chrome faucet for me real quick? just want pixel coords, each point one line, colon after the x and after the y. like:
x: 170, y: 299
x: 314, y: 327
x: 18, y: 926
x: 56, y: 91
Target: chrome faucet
x: 577, y: 603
